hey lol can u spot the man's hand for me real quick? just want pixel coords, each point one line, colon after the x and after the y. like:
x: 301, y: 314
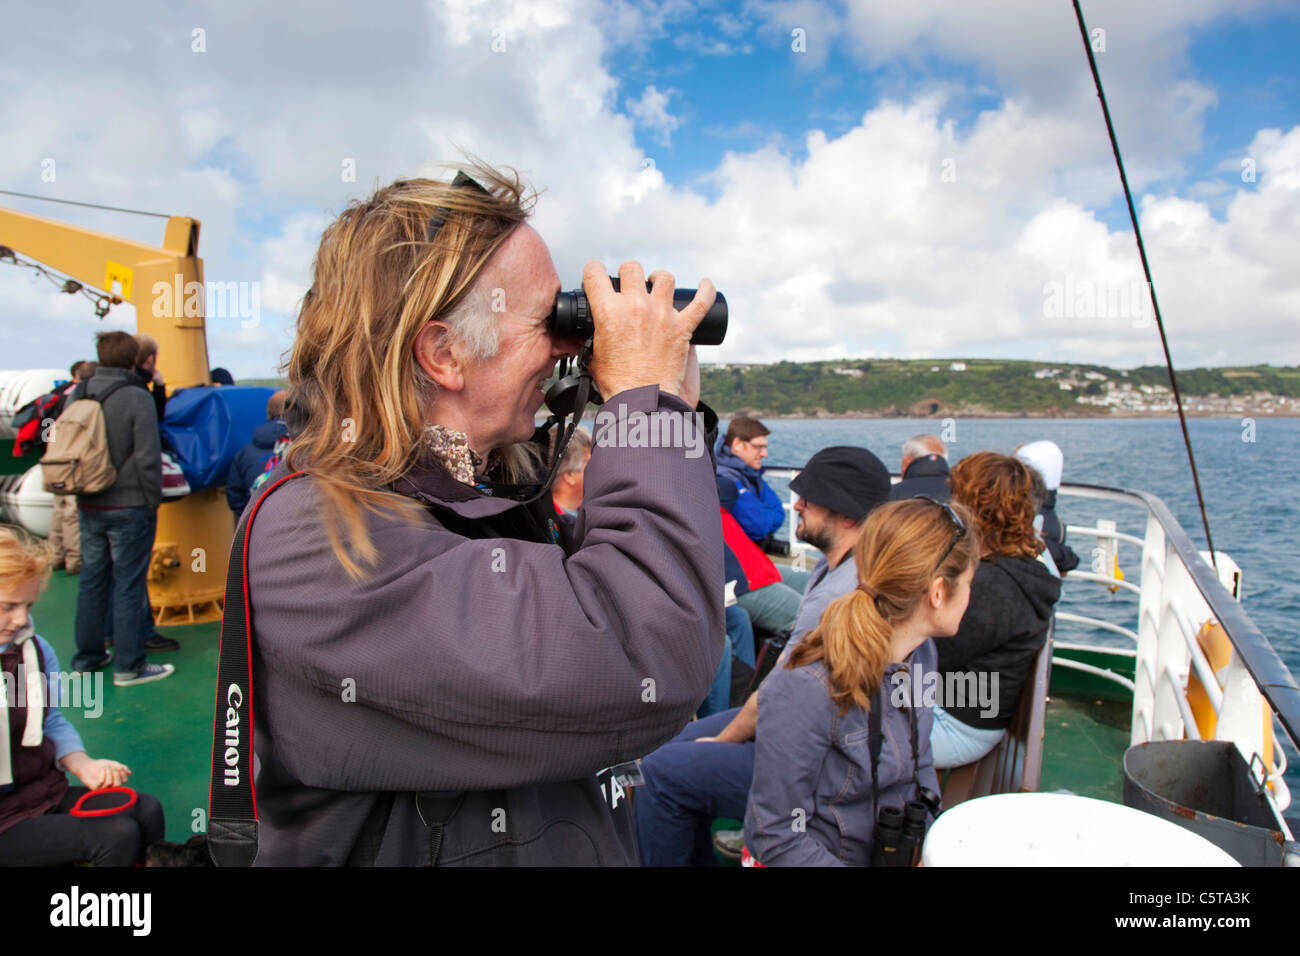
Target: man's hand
x: 640, y: 338
x: 157, y: 378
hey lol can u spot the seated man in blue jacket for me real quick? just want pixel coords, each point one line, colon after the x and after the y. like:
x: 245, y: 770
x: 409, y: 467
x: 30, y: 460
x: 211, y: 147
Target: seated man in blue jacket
x: 250, y: 461
x: 740, y: 460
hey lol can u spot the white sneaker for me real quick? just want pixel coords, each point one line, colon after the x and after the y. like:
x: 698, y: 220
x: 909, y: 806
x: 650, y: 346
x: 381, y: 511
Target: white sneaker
x: 147, y: 674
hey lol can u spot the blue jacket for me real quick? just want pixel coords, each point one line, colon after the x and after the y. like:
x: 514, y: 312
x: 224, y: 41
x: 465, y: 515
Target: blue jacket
x: 250, y: 461
x: 810, y: 803
x: 754, y: 505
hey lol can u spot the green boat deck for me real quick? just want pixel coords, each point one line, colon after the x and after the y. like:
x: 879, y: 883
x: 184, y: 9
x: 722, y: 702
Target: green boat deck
x: 1083, y: 747
x: 163, y: 730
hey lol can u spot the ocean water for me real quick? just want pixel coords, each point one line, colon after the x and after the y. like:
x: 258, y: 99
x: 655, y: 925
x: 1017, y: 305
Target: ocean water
x: 1249, y: 472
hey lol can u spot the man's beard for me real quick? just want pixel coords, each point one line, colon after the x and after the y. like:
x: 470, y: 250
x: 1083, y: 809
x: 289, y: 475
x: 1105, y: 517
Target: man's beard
x: 818, y: 538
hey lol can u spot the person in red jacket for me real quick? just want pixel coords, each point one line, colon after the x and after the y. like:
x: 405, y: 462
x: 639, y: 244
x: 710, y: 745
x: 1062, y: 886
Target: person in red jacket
x: 771, y: 604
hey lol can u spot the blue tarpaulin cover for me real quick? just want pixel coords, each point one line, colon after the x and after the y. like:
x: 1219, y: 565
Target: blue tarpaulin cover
x: 207, y: 426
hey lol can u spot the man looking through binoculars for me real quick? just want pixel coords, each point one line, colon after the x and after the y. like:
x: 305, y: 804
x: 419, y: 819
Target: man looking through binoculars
x: 492, y: 656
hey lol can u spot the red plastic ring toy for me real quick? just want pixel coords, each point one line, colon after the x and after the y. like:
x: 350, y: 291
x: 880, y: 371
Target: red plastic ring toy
x: 77, y: 810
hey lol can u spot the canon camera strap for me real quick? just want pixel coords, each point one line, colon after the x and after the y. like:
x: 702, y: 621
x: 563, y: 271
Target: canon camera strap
x: 232, y: 804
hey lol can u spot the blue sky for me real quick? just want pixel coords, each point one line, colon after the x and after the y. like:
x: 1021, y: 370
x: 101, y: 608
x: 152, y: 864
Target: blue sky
x: 755, y: 91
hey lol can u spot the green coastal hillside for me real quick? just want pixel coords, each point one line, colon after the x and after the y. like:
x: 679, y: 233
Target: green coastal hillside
x: 989, y: 386
x: 981, y: 387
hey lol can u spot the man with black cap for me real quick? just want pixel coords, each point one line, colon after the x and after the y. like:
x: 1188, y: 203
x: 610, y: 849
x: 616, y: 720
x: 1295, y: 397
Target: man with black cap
x: 706, y: 770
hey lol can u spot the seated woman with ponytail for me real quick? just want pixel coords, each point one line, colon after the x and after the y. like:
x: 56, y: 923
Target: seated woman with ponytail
x: 1011, y: 605
x: 817, y: 790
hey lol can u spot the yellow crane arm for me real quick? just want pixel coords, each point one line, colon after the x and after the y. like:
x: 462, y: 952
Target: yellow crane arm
x: 164, y: 283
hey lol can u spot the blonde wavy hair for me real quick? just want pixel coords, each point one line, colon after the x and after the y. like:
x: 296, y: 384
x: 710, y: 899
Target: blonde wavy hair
x: 22, y: 558
x: 359, y: 401
x: 899, y: 552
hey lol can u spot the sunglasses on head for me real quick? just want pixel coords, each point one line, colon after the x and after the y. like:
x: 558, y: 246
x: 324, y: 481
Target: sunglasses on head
x: 958, y: 524
x: 440, y: 214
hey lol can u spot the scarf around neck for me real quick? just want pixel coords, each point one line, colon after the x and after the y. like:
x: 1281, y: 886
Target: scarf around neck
x: 32, y: 731
x: 451, y: 449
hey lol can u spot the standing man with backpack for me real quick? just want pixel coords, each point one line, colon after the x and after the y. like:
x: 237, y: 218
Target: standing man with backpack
x: 118, y: 522
x: 65, y: 534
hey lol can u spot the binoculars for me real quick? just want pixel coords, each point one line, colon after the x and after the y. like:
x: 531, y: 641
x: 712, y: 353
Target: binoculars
x: 900, y: 833
x: 571, y: 317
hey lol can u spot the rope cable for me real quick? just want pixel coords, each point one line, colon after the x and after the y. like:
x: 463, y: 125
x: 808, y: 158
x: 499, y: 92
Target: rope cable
x: 88, y: 205
x: 1146, y: 269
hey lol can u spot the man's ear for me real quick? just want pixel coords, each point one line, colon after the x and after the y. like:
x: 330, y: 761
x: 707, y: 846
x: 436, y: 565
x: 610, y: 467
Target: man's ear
x: 439, y: 358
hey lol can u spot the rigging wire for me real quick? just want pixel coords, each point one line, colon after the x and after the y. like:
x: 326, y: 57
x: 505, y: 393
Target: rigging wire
x: 1146, y: 269
x: 88, y: 205
x: 101, y: 302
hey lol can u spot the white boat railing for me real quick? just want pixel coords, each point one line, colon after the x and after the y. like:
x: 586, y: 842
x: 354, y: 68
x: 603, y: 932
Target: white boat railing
x: 1179, y: 592
x: 1254, y: 699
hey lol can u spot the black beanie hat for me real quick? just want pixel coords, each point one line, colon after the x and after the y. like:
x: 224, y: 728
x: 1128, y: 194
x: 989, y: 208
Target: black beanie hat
x: 847, y: 480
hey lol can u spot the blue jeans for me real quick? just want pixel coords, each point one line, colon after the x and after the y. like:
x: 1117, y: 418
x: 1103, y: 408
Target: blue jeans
x: 740, y: 643
x: 149, y: 629
x: 772, y: 608
x: 687, y: 784
x: 115, y: 549
x: 796, y: 579
x: 955, y: 743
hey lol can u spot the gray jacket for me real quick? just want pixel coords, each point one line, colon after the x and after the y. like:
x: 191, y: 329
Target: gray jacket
x: 501, y: 671
x: 811, y: 802
x: 134, y: 445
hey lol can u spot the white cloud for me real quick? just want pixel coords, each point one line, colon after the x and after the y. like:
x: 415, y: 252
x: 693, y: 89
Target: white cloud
x: 651, y: 111
x: 859, y: 246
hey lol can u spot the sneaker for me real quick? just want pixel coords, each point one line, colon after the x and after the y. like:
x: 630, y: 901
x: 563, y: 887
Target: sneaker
x: 159, y: 643
x: 146, y: 674
x: 97, y: 665
x: 729, y: 843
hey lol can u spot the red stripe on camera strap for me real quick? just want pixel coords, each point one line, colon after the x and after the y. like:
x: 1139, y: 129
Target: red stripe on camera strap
x: 232, y: 802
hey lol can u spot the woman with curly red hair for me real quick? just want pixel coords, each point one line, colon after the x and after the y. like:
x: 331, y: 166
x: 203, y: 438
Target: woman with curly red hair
x: 1010, y: 610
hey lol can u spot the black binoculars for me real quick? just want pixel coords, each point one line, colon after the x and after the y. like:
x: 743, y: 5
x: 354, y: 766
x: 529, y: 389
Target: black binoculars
x: 900, y: 833
x: 571, y: 318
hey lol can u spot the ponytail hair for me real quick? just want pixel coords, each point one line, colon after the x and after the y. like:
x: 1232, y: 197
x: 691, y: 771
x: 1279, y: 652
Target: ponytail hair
x: 899, y: 552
